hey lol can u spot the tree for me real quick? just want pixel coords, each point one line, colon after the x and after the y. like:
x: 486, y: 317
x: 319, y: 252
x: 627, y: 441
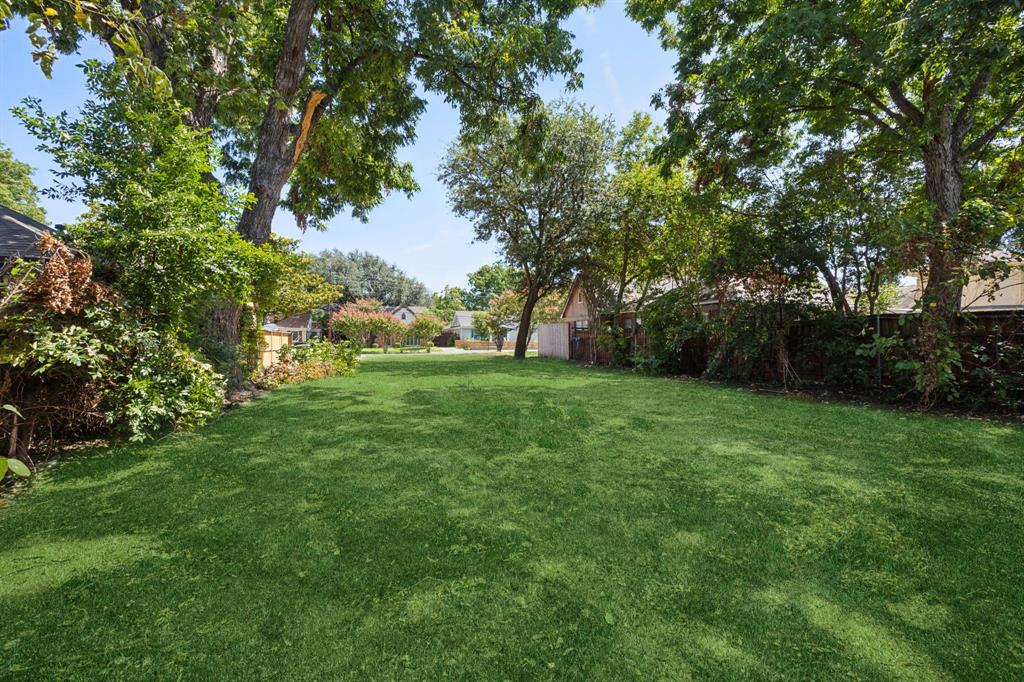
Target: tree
x: 297, y: 288
x: 505, y: 310
x: 502, y: 313
x: 626, y: 252
x: 157, y: 231
x: 17, y: 190
x: 532, y: 184
x: 364, y: 275
x: 387, y: 330
x: 364, y: 320
x: 939, y: 87
x: 320, y: 95
x: 447, y: 302
x: 489, y: 281
x: 845, y: 215
x: 425, y: 327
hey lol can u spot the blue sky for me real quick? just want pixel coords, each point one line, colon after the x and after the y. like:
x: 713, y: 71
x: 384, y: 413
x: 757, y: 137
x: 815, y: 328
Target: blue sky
x: 623, y: 67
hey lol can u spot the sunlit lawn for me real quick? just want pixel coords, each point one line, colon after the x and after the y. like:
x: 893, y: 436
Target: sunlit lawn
x: 468, y: 516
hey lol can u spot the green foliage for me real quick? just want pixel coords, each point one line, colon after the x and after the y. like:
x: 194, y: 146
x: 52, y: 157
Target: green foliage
x: 290, y: 285
x: 504, y: 311
x: 367, y: 68
x: 17, y: 190
x: 447, y: 302
x: 317, y: 359
x: 425, y: 327
x: 364, y: 275
x: 533, y: 185
x: 927, y: 93
x: 144, y: 381
x: 489, y: 281
x: 631, y: 246
x: 158, y: 230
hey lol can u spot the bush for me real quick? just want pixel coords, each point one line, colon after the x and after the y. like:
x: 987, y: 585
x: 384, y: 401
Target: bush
x: 318, y: 359
x: 76, y: 361
x: 799, y: 345
x: 102, y: 372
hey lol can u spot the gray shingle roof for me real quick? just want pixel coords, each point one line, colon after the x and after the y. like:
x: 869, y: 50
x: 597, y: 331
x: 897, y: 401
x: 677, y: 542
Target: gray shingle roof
x: 463, y: 318
x: 19, y: 234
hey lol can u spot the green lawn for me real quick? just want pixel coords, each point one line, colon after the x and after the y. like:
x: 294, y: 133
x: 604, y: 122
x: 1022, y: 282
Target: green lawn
x: 468, y: 516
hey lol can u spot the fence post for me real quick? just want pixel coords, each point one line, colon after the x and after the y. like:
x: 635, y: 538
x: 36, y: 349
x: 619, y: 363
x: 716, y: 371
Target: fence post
x: 878, y: 355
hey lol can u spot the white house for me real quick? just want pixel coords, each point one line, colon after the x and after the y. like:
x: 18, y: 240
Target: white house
x: 461, y: 327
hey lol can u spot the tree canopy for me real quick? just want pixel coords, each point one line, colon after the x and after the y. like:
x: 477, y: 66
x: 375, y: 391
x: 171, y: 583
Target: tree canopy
x: 319, y: 96
x: 447, y: 301
x: 533, y: 185
x: 364, y: 275
x: 937, y: 87
x: 17, y: 190
x: 491, y: 280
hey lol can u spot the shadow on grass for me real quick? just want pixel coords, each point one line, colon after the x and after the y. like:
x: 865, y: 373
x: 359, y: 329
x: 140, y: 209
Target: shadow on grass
x: 484, y: 518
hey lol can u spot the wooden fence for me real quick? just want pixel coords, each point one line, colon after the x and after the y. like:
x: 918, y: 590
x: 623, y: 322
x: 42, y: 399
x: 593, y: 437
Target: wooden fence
x: 584, y: 346
x: 271, y: 344
x: 809, y: 345
x: 553, y: 340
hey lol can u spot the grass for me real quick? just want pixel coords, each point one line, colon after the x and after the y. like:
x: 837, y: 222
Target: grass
x: 473, y: 517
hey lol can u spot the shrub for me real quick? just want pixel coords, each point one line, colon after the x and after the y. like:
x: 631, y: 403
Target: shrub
x: 76, y: 361
x: 318, y: 359
x: 104, y: 371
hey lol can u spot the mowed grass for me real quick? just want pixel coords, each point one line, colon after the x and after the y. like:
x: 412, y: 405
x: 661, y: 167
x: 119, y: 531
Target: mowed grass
x: 473, y: 517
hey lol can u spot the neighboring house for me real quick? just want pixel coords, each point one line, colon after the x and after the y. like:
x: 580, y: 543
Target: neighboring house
x: 578, y: 312
x: 19, y: 235
x: 406, y: 314
x: 461, y: 328
x: 301, y: 327
x: 979, y: 295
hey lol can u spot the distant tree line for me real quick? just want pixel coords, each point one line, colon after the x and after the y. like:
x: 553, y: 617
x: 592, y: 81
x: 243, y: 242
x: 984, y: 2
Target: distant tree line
x: 364, y: 275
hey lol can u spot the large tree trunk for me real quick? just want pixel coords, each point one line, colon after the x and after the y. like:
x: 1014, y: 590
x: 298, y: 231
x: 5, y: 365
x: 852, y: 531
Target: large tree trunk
x: 940, y: 301
x: 276, y: 153
x: 835, y: 290
x: 944, y: 188
x: 523, y: 336
x: 276, y: 150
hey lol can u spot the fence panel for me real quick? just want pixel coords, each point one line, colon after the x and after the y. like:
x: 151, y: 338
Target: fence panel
x: 271, y: 344
x: 553, y: 340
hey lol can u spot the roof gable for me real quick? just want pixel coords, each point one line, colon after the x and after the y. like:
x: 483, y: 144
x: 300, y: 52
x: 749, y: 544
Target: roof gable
x: 19, y: 234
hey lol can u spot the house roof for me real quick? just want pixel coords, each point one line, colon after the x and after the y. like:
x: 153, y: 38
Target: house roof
x: 462, y: 318
x: 632, y: 295
x: 300, y: 321
x: 19, y: 234
x: 908, y: 295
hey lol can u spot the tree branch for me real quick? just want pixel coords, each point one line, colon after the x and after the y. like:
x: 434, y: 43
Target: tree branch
x: 982, y: 140
x: 904, y: 104
x: 964, y: 119
x: 873, y: 98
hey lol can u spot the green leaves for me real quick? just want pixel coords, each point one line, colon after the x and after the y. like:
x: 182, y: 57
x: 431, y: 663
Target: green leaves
x: 16, y: 467
x: 533, y: 185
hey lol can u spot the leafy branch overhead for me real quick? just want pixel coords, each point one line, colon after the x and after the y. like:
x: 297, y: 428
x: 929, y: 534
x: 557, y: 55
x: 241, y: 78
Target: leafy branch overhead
x: 322, y: 95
